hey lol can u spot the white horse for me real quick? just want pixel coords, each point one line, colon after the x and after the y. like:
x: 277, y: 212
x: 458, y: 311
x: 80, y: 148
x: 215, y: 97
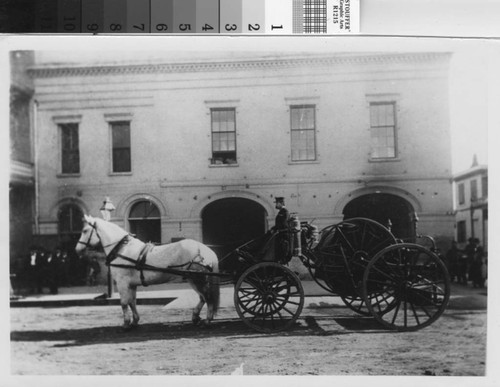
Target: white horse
x: 134, y: 263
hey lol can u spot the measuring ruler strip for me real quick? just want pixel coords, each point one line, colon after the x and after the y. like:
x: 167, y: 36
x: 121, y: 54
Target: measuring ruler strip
x: 226, y: 17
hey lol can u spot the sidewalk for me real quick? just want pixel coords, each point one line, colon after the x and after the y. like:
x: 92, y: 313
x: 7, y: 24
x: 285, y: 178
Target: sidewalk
x: 181, y: 295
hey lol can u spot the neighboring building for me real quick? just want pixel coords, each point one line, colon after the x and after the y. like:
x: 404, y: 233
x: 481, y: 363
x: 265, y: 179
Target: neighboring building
x: 199, y: 148
x: 22, y: 171
x: 471, y: 201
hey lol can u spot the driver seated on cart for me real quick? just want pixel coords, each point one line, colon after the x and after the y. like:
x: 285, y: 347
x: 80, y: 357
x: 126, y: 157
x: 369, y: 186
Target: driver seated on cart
x: 273, y: 246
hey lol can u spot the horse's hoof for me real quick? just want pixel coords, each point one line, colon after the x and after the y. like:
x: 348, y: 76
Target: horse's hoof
x: 196, y: 320
x: 205, y: 324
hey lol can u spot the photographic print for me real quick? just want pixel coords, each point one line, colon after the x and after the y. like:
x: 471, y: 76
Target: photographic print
x: 249, y: 206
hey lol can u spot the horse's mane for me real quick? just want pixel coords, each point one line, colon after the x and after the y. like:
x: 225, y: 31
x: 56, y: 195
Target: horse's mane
x: 110, y: 234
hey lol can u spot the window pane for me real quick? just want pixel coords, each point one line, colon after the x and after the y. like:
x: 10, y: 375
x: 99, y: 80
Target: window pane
x: 473, y: 190
x: 303, y: 144
x: 223, y: 135
x: 295, y: 116
x: 144, y: 209
x: 302, y: 117
x: 389, y: 114
x: 70, y: 154
x: 216, y: 142
x: 382, y: 123
x: 121, y: 160
x: 461, y: 193
x: 120, y: 133
x: 70, y: 219
x: 484, y: 186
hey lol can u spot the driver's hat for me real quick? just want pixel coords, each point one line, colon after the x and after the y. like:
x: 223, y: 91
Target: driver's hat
x: 279, y: 199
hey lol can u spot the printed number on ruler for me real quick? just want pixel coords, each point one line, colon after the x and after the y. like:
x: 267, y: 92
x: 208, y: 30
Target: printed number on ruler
x: 161, y: 27
x: 92, y: 27
x: 69, y: 24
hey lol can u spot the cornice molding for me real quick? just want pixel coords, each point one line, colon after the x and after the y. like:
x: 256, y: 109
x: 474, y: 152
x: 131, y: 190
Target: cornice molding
x: 234, y: 65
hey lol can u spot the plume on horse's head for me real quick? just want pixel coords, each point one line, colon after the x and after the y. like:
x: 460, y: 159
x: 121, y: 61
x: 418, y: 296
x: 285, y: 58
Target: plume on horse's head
x: 89, y: 219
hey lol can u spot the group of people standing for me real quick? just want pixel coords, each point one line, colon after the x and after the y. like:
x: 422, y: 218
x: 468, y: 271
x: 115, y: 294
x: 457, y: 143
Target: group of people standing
x: 469, y: 264
x: 57, y: 268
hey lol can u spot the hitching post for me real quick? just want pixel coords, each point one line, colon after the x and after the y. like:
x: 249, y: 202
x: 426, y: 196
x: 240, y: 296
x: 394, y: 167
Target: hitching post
x: 106, y: 209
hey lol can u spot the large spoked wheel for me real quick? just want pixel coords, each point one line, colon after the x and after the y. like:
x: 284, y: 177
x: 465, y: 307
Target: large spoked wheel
x: 269, y: 297
x: 406, y: 287
x: 343, y: 253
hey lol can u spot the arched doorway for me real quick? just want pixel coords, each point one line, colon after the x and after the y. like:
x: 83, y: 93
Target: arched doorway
x: 383, y: 207
x: 228, y: 223
x: 145, y: 221
x: 70, y: 224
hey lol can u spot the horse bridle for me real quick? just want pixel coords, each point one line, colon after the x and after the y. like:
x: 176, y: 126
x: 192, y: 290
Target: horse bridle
x: 87, y: 244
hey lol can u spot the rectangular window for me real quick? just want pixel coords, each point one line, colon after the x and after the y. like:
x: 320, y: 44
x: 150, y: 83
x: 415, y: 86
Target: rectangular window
x: 383, y: 130
x: 461, y: 193
x: 70, y: 148
x: 473, y: 190
x: 484, y: 186
x: 223, y: 135
x: 120, y: 140
x: 461, y: 232
x: 303, y: 132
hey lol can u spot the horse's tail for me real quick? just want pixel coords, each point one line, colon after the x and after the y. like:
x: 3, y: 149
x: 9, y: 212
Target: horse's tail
x: 214, y: 291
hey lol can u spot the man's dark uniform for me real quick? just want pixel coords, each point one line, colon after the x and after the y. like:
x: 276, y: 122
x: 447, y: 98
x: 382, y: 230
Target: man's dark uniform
x: 281, y: 221
x: 281, y: 226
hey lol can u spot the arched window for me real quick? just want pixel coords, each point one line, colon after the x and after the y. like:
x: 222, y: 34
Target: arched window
x: 70, y: 224
x: 145, y: 221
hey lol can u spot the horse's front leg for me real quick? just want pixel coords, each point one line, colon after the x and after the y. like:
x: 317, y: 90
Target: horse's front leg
x: 126, y: 297
x: 126, y: 316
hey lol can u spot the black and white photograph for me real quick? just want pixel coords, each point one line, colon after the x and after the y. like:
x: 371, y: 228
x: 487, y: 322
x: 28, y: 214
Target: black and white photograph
x: 250, y: 206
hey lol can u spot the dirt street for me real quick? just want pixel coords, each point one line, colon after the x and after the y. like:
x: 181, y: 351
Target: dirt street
x: 327, y: 340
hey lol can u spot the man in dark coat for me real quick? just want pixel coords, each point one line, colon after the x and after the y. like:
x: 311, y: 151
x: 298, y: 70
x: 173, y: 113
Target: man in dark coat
x: 281, y: 221
x: 52, y: 272
x: 281, y: 226
x: 34, y: 270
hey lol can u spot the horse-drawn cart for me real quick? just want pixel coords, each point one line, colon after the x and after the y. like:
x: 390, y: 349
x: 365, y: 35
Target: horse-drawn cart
x: 404, y: 286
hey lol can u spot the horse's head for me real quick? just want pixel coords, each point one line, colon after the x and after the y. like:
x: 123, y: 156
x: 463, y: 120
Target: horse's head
x: 89, y: 237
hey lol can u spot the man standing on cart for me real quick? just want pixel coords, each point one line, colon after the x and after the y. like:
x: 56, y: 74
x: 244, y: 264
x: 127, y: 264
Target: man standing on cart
x: 281, y: 227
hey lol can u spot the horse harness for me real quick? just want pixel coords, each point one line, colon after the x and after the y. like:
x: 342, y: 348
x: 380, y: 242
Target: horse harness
x: 140, y: 262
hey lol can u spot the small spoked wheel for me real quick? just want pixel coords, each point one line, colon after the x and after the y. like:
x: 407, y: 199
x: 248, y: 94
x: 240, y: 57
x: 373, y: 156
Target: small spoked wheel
x: 269, y: 297
x: 406, y: 287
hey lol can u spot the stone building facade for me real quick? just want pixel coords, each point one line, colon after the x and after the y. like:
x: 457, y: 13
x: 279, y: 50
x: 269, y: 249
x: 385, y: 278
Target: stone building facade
x: 200, y: 148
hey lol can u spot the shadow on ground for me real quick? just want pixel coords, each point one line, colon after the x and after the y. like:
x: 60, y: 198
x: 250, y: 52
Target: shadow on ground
x: 171, y: 331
